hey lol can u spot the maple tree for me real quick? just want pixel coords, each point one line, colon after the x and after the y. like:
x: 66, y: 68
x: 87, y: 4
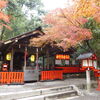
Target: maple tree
x: 65, y: 26
x: 4, y: 18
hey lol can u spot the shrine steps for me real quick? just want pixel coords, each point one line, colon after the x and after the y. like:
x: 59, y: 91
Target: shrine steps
x: 44, y: 94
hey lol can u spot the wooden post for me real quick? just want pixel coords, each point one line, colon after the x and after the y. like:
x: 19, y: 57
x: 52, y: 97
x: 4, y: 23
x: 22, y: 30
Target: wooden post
x: 37, y: 65
x: 25, y: 55
x: 37, y: 55
x: 43, y: 62
x: 47, y: 52
x: 11, y: 61
x: 98, y: 81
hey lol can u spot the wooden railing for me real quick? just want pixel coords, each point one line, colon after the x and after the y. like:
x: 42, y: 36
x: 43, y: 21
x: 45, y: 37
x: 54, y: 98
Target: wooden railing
x: 97, y: 75
x: 70, y: 69
x: 51, y: 75
x: 11, y: 77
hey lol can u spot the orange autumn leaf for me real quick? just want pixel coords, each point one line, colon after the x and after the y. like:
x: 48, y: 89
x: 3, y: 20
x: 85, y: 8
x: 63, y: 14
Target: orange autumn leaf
x: 65, y: 25
x: 3, y: 4
x: 4, y: 17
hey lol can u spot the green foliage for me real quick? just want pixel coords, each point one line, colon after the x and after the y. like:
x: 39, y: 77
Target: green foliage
x: 22, y: 17
x: 94, y: 43
x: 95, y: 28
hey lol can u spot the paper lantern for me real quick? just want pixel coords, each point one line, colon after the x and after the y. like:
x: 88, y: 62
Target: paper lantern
x: 32, y: 58
x: 8, y: 56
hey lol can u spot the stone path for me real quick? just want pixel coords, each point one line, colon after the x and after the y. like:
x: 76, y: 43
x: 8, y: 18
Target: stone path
x: 94, y: 95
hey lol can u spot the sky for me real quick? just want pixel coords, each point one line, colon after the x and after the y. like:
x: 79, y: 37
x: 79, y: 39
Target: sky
x: 50, y: 5
x: 53, y: 4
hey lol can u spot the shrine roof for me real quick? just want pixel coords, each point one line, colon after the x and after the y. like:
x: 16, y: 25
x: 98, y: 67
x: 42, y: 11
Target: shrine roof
x: 84, y: 56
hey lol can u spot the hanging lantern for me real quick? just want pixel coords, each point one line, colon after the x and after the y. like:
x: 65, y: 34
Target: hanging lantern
x: 32, y: 58
x: 8, y: 56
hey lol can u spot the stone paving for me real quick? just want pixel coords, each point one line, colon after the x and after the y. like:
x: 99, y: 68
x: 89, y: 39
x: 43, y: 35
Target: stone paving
x: 39, y: 85
x: 95, y: 95
x: 80, y: 82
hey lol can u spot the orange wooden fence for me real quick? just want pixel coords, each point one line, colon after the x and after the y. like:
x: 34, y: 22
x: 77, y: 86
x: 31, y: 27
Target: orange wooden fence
x: 98, y: 82
x: 11, y: 77
x: 51, y: 75
x: 97, y: 75
x: 70, y: 69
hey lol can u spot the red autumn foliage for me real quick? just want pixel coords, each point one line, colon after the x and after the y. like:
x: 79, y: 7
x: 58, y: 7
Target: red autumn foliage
x: 3, y: 4
x: 4, y: 17
x: 65, y: 25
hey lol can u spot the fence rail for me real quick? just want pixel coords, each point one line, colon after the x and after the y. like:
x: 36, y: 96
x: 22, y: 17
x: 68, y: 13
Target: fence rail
x: 11, y: 77
x: 51, y: 75
x: 97, y: 75
x: 70, y: 69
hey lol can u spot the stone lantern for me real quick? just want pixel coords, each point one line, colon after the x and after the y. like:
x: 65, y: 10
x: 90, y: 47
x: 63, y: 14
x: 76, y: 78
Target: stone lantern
x: 88, y: 63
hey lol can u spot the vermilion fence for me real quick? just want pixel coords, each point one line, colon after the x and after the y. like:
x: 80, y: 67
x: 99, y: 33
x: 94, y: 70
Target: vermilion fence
x: 11, y: 77
x: 51, y: 75
x: 70, y: 69
x: 97, y: 75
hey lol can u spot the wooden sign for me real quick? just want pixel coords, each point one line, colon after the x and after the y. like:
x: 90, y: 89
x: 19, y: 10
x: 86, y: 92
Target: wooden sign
x: 61, y: 56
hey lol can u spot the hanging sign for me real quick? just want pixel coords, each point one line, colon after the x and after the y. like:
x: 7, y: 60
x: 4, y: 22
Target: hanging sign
x: 32, y: 58
x: 61, y: 56
x: 8, y: 56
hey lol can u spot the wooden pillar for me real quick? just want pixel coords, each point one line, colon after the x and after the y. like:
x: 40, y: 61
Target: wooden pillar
x: 37, y: 58
x: 47, y: 52
x: 36, y: 70
x: 11, y: 61
x: 25, y: 55
x: 43, y: 62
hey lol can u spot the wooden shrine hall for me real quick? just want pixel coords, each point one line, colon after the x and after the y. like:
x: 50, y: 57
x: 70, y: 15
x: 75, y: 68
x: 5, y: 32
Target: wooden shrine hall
x: 20, y: 62
x: 15, y: 58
